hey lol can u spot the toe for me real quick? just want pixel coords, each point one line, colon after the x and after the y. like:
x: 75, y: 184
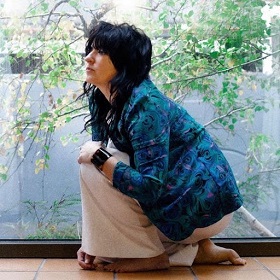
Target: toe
x: 238, y: 261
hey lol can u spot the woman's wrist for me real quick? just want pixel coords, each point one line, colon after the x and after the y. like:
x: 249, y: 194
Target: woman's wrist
x: 109, y: 167
x: 100, y: 157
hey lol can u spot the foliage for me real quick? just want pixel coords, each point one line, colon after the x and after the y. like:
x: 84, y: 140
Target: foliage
x: 52, y: 232
x: 211, y: 49
x: 53, y: 221
x: 263, y: 166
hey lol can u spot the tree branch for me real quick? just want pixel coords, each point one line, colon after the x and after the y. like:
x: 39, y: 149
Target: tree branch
x: 220, y: 71
x: 270, y: 170
x: 229, y: 114
x: 254, y: 223
x: 105, y: 8
x: 164, y: 60
x: 53, y: 9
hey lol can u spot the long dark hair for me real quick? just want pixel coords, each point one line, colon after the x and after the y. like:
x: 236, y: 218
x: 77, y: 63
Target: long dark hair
x: 130, y: 51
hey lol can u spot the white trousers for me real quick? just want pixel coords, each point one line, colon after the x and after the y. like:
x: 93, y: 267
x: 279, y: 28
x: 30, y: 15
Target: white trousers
x: 114, y: 225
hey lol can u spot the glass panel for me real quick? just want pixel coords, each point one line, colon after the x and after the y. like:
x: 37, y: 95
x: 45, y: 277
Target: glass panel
x: 220, y: 59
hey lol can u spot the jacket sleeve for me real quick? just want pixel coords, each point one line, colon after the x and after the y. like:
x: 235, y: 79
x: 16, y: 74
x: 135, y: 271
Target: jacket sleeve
x: 147, y: 125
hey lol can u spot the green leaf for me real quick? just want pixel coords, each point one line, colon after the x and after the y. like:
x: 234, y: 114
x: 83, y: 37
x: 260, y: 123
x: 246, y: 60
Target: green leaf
x: 231, y: 127
x: 214, y: 54
x: 45, y: 6
x: 44, y: 115
x: 3, y: 176
x: 190, y: 13
x: 74, y: 4
x: 258, y: 108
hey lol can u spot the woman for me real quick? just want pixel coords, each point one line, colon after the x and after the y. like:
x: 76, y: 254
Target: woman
x: 154, y: 185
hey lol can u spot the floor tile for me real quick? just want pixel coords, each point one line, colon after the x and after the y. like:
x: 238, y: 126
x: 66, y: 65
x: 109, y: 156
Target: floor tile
x: 20, y: 264
x: 60, y: 265
x: 276, y: 272
x: 270, y: 262
x: 171, y: 274
x: 259, y: 268
x: 250, y: 265
x: 75, y: 275
x: 234, y: 275
x: 17, y: 275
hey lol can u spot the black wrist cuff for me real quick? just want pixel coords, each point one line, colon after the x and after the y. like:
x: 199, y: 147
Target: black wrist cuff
x: 99, y: 157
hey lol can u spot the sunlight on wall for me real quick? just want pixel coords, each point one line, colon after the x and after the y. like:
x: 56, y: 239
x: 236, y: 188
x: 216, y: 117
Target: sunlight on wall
x: 268, y: 14
x: 127, y: 5
x: 15, y: 8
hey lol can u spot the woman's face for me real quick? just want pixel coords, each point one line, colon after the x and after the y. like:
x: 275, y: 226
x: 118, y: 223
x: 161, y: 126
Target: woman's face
x: 99, y: 69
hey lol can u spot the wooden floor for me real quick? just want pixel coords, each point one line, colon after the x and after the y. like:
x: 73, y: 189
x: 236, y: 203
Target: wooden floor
x: 260, y: 268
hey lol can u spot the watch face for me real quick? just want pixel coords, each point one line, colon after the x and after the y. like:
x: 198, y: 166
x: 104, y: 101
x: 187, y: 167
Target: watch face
x: 99, y: 157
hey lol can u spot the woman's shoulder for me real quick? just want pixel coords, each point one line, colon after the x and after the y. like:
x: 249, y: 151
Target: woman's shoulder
x: 147, y: 91
x: 145, y: 88
x: 148, y: 97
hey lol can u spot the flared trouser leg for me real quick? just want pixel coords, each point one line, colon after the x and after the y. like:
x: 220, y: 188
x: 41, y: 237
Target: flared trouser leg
x: 114, y: 224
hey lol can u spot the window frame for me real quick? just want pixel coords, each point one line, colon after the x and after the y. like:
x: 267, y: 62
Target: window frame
x: 246, y: 247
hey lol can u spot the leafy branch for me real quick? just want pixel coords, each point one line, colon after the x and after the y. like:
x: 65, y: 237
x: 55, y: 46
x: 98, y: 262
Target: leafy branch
x: 191, y: 79
x: 232, y: 112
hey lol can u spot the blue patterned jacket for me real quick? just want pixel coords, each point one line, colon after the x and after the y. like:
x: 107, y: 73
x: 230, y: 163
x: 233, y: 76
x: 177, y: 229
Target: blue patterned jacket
x: 177, y: 173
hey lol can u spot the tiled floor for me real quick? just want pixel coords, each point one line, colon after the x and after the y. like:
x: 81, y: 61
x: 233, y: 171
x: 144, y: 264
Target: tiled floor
x: 261, y: 268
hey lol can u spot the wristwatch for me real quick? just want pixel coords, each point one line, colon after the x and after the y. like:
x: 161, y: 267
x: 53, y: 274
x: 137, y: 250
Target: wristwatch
x: 99, y: 157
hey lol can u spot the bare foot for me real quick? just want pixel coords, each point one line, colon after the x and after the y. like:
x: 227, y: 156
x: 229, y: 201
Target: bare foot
x: 85, y: 261
x: 208, y: 253
x: 137, y: 264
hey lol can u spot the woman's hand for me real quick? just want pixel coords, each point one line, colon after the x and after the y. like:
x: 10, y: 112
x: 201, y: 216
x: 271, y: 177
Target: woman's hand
x: 85, y: 261
x: 87, y: 150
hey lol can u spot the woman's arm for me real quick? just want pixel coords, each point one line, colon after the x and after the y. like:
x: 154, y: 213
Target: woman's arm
x: 147, y: 127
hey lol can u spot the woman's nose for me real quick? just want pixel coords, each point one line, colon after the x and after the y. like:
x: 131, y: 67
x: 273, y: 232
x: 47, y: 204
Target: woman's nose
x: 89, y: 57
